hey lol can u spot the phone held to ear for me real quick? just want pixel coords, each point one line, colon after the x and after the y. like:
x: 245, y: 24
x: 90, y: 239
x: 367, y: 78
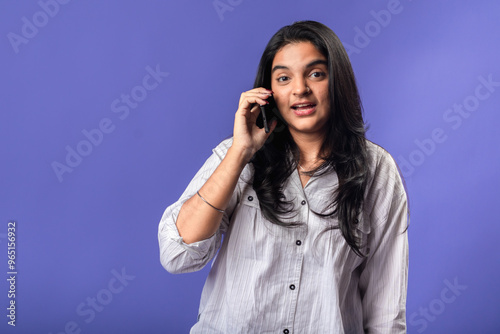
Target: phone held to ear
x: 267, y: 113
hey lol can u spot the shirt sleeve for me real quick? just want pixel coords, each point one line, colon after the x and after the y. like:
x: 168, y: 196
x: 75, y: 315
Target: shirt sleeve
x: 384, y: 279
x: 175, y: 255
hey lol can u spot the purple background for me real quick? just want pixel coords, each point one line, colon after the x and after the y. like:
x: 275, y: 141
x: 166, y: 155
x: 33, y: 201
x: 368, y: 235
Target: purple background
x: 75, y: 232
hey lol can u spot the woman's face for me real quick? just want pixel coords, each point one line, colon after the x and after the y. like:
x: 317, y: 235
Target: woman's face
x: 299, y: 80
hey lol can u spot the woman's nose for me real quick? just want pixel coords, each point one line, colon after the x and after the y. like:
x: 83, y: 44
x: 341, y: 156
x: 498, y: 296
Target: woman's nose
x: 301, y: 88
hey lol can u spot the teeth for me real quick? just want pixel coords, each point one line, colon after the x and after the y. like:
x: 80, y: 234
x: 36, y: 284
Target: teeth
x: 302, y: 105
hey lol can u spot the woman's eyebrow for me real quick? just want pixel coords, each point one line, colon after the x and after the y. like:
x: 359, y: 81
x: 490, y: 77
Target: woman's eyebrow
x: 311, y: 64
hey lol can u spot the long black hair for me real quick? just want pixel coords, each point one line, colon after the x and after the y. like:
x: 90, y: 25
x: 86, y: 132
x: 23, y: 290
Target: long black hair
x: 344, y: 147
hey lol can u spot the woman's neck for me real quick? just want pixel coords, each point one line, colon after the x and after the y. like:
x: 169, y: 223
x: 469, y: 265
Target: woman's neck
x: 310, y: 148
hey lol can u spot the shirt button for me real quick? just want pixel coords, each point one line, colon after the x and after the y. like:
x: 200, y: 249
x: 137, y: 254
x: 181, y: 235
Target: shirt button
x: 298, y: 242
x: 250, y: 198
x: 292, y: 287
x: 286, y: 331
x: 303, y: 202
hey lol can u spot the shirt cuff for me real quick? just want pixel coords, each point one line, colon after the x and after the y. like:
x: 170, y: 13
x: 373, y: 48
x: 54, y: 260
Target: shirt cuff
x: 197, y: 250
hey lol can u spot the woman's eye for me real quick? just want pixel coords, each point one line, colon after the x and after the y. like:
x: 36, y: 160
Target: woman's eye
x: 318, y: 74
x: 282, y: 78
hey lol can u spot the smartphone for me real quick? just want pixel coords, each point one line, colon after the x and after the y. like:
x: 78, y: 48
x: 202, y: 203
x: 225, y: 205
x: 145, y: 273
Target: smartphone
x: 267, y: 113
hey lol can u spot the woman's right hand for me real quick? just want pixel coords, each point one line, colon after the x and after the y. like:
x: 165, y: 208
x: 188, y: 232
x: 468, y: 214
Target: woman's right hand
x: 248, y: 138
x: 198, y: 220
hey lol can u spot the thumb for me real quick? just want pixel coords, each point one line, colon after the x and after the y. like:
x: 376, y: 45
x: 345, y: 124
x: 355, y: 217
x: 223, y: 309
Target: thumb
x: 272, y: 126
x: 274, y: 123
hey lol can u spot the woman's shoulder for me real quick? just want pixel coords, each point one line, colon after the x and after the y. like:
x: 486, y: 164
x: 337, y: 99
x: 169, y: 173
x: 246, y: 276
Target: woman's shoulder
x: 379, y: 157
x: 383, y: 168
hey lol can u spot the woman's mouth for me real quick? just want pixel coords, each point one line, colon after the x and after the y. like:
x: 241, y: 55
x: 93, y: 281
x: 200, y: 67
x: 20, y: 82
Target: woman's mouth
x: 303, y: 109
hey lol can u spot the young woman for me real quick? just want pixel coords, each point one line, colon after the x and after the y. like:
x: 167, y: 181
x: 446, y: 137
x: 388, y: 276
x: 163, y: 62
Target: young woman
x: 313, y: 215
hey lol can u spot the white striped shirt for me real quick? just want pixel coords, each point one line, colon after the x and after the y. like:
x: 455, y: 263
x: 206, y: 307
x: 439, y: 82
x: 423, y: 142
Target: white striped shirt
x: 272, y: 279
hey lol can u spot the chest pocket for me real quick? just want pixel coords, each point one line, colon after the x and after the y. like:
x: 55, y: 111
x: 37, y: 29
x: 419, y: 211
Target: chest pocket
x: 250, y: 214
x: 249, y: 198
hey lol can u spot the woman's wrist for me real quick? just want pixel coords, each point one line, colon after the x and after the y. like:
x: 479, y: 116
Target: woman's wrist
x: 239, y: 158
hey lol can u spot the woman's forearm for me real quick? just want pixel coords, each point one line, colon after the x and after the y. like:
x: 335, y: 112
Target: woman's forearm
x: 197, y: 220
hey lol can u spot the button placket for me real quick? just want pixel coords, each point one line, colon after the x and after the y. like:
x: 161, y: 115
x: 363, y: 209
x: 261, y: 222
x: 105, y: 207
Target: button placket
x: 293, y: 288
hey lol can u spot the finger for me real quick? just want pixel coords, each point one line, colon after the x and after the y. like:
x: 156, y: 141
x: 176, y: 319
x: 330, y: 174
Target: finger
x: 261, y: 135
x: 256, y: 93
x: 261, y: 90
x: 249, y: 101
x: 272, y: 126
x: 274, y: 123
x: 265, y: 93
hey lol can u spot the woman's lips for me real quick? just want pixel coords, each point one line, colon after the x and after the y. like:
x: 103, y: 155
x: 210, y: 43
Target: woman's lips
x: 304, y: 110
